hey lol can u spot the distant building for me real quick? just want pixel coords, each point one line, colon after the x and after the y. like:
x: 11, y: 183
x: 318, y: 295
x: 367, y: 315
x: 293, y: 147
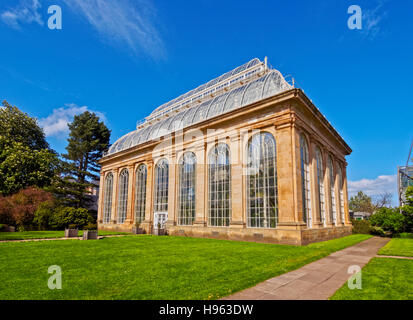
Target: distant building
x: 360, y: 215
x: 404, y: 180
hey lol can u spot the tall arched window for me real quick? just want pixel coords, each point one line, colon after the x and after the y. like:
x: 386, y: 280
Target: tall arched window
x: 107, y: 198
x: 262, y: 182
x: 140, y: 193
x: 219, y: 184
x: 320, y: 182
x: 305, y: 180
x: 333, y: 212
x: 340, y: 186
x: 161, y: 186
x: 186, y: 195
x: 123, y: 195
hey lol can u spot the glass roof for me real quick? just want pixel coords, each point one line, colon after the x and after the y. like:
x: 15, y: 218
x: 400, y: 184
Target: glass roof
x: 271, y: 83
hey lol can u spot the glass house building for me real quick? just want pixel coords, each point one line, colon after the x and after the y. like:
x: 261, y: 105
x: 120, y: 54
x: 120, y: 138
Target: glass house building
x: 245, y: 156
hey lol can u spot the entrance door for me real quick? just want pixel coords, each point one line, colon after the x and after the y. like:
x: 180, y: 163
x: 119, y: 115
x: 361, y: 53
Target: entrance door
x: 159, y: 219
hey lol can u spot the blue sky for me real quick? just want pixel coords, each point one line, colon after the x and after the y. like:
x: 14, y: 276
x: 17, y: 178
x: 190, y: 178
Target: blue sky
x: 124, y: 58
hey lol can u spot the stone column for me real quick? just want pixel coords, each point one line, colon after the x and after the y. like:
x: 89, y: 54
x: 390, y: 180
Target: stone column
x: 327, y: 192
x: 149, y: 197
x: 114, y: 214
x: 315, y: 194
x: 347, y: 221
x: 290, y: 214
x: 237, y: 183
x: 131, y: 184
x: 200, y: 186
x: 337, y: 192
x: 285, y: 177
x: 100, y: 199
x: 172, y: 190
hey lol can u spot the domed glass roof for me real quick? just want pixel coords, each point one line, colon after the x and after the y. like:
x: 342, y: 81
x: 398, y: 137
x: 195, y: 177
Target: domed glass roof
x: 172, y: 116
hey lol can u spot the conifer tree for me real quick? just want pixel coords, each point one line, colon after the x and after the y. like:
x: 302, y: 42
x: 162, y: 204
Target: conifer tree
x: 88, y: 139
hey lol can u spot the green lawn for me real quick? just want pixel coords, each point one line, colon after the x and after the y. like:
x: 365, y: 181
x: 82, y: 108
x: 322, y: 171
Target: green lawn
x: 398, y: 247
x: 382, y: 279
x: 150, y: 267
x: 45, y: 234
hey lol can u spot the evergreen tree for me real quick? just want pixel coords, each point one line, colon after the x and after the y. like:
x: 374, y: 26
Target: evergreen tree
x: 88, y: 139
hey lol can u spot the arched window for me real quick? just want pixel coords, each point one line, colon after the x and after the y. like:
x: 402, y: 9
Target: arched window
x: 219, y: 184
x: 186, y: 196
x: 107, y: 198
x: 262, y: 182
x: 340, y: 186
x: 140, y: 193
x: 320, y: 182
x: 161, y: 186
x: 123, y: 195
x: 305, y: 181
x: 333, y: 212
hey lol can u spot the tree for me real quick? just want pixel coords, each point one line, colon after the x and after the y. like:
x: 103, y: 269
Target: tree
x: 25, y: 156
x: 361, y: 203
x: 382, y: 200
x: 88, y: 139
x: 390, y: 219
x: 17, y: 126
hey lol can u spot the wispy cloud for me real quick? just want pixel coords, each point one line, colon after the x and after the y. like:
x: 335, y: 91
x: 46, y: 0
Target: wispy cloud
x: 123, y: 22
x: 55, y: 125
x: 372, y: 19
x: 26, y: 11
x: 372, y: 187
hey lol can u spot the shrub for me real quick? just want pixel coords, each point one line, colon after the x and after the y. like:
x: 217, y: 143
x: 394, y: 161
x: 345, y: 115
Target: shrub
x: 388, y: 219
x: 90, y: 226
x: 43, y: 215
x: 63, y: 217
x: 5, y: 211
x: 377, y: 231
x: 361, y: 226
x: 23, y: 205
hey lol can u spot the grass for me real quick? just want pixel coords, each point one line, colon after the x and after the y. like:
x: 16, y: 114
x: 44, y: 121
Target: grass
x: 150, y: 267
x: 382, y: 279
x: 398, y: 247
x: 25, y: 235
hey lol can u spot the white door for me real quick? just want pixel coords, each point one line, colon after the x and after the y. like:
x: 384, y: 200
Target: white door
x: 159, y: 219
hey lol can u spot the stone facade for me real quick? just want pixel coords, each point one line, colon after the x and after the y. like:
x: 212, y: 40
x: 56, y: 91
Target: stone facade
x: 289, y: 117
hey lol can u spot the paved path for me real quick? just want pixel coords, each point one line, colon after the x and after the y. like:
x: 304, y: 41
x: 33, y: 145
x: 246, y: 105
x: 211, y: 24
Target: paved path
x: 63, y: 238
x: 394, y: 257
x: 318, y: 280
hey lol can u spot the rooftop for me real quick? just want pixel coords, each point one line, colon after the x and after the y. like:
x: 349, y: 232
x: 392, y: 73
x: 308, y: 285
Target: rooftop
x: 251, y: 82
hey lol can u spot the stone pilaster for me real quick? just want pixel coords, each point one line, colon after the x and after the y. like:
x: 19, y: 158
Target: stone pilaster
x: 131, y: 184
x: 172, y: 185
x: 337, y: 192
x: 347, y: 221
x: 237, y: 183
x: 327, y: 192
x: 200, y: 186
x: 100, y: 199
x: 285, y: 177
x: 114, y: 215
x: 315, y: 193
x: 290, y: 198
x: 147, y: 223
